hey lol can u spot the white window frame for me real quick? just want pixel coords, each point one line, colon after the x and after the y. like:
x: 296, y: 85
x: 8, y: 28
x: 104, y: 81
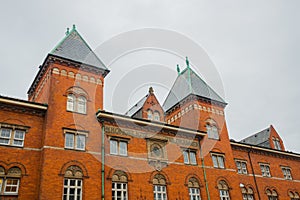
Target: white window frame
x: 224, y: 194
x: 118, y: 147
x: 76, y: 136
x: 11, y: 185
x: 12, y: 136
x: 212, y: 132
x: 241, y: 166
x: 276, y: 143
x: 76, y: 104
x: 75, y: 187
x: 71, y: 101
x: 160, y: 190
x: 194, y: 193
x: 188, y: 158
x: 265, y: 170
x: 149, y: 115
x: 248, y: 197
x: 287, y: 173
x: 156, y: 116
x: 123, y: 189
x: 218, y: 160
x: 81, y: 105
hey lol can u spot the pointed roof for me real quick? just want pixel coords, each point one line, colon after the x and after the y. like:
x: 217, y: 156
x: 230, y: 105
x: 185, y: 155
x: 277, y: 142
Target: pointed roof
x: 189, y: 83
x: 260, y: 139
x: 139, y: 105
x: 74, y: 47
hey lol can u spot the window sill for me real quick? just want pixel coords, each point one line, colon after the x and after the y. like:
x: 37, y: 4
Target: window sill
x: 9, y: 145
x: 76, y: 112
x: 118, y: 155
x: 80, y: 150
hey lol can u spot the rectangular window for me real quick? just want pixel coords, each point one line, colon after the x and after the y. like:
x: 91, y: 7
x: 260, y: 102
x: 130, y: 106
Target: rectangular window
x: 160, y: 192
x: 119, y: 191
x: 11, y: 186
x: 241, y: 167
x: 287, y: 173
x: 194, y: 194
x: 218, y: 161
x: 1, y: 183
x: 12, y: 137
x: 72, y: 189
x: 265, y: 170
x: 248, y: 197
x: 118, y: 147
x: 224, y: 195
x: 75, y: 141
x: 189, y: 157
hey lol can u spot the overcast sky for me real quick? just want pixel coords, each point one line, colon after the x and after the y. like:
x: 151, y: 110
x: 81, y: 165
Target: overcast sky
x: 254, y: 45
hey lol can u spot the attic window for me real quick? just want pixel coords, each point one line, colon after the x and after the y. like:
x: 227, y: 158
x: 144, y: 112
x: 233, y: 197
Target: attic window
x: 276, y: 143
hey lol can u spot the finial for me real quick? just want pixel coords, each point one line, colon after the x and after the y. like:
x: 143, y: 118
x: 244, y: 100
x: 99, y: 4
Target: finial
x: 151, y: 91
x: 68, y: 31
x: 74, y: 27
x: 178, y: 69
x: 187, y: 61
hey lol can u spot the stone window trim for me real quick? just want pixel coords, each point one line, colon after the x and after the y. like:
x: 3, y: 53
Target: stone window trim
x: 243, y: 170
x: 189, y: 151
x: 119, y: 141
x: 73, y: 166
x: 271, y: 193
x: 14, y: 128
x: 160, y: 144
x: 212, y: 129
x: 293, y: 195
x: 287, y: 172
x: 10, y: 180
x: 76, y: 133
x: 159, y: 178
x: 220, y: 163
x: 265, y: 169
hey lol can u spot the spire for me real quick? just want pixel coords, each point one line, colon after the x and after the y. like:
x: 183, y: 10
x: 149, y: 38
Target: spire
x: 151, y: 91
x: 187, y: 62
x: 189, y: 80
x: 178, y: 69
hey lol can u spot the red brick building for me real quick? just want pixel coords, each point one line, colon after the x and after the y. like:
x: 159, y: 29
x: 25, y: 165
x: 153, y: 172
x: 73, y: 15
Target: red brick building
x: 62, y: 144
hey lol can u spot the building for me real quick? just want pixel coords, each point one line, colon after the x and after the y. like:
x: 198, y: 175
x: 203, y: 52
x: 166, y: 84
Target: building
x: 62, y: 144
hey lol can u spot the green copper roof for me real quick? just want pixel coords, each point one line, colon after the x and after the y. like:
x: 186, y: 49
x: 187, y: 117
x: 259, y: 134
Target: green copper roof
x: 74, y: 47
x: 186, y: 83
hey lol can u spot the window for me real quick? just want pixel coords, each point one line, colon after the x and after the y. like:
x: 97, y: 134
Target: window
x: 272, y: 194
x: 149, y: 115
x: 223, y: 190
x: 212, y: 132
x: 118, y: 147
x: 189, y: 157
x: 294, y: 195
x: 72, y: 187
x: 241, y: 166
x: 286, y: 173
x: 276, y: 143
x: 75, y: 104
x: 9, y: 183
x: 265, y: 170
x: 159, y: 187
x: 218, y: 161
x: 119, y: 186
x: 156, y: 116
x: 75, y: 140
x: 247, y: 193
x: 12, y: 136
x: 194, y: 189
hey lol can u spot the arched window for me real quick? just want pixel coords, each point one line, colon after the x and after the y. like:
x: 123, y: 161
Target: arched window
x: 247, y: 193
x: 9, y: 183
x: 223, y: 190
x: 294, y: 195
x: 119, y: 185
x: 159, y: 187
x: 73, y: 183
x: 81, y: 104
x: 71, y: 102
x: 194, y: 189
x: 149, y: 115
x: 272, y: 194
x: 156, y: 116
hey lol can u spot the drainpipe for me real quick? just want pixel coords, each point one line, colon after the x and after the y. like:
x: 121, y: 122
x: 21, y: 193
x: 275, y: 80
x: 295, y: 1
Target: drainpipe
x: 204, y: 172
x: 253, y: 173
x: 102, y: 159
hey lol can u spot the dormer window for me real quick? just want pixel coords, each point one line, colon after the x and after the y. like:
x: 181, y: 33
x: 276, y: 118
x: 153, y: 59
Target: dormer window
x: 156, y: 116
x: 212, y: 132
x: 276, y: 143
x: 149, y: 115
x: 76, y: 104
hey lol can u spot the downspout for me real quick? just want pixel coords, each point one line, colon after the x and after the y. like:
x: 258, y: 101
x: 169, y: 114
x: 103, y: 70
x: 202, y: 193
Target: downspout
x: 253, y: 174
x: 204, y: 171
x: 102, y: 159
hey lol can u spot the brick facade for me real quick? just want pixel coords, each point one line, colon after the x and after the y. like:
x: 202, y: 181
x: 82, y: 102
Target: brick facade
x: 76, y: 140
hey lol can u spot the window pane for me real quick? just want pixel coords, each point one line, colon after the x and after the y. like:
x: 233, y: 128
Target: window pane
x: 215, y: 162
x: 149, y: 114
x: 185, y: 156
x: 81, y: 108
x: 221, y: 161
x: 193, y: 157
x: 113, y: 147
x: 80, y: 143
x: 156, y: 116
x: 4, y: 141
x: 123, y: 148
x: 69, y: 140
x: 5, y: 133
x: 70, y: 102
x: 11, y: 186
x: 19, y: 134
